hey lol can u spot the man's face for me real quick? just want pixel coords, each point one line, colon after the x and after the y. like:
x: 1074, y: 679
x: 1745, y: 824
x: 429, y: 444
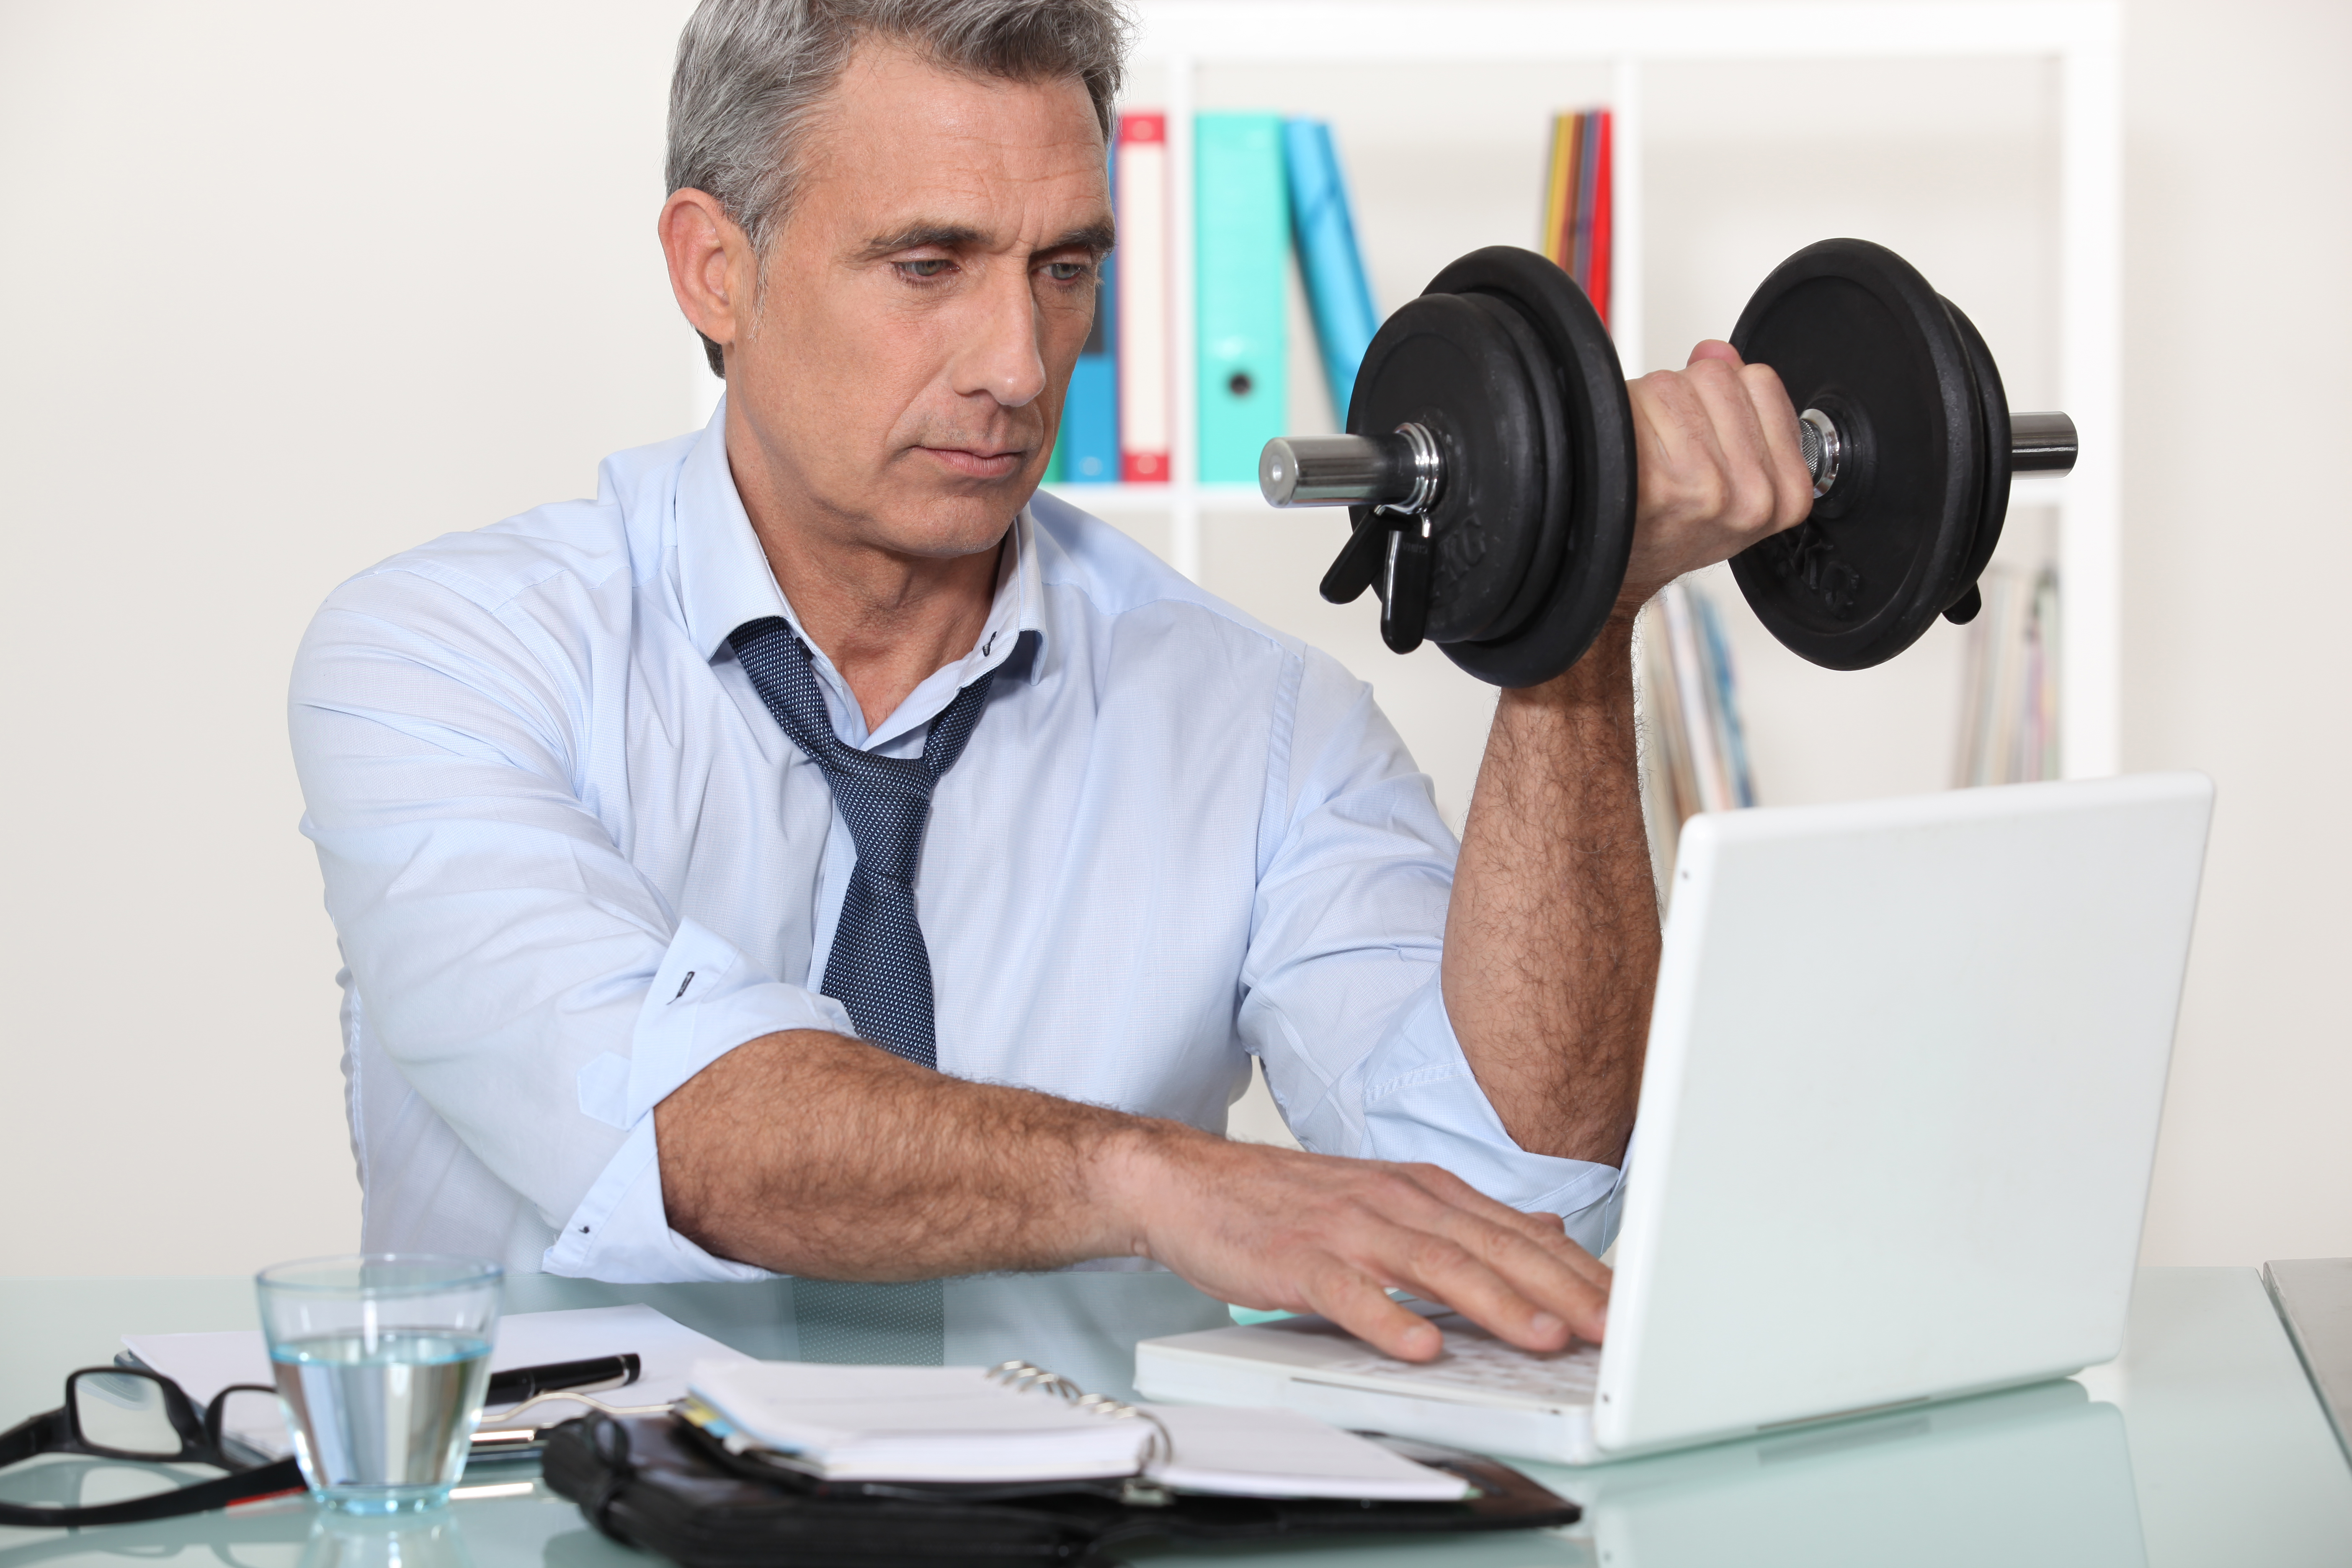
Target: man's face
x: 903, y: 369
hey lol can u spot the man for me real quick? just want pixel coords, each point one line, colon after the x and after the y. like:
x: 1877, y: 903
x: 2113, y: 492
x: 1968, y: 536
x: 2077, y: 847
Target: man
x: 818, y: 853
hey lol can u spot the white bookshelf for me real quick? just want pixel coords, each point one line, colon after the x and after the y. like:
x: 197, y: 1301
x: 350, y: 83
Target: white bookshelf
x: 2079, y: 40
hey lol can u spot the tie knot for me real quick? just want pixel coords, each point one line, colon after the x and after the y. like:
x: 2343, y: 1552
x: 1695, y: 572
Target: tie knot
x: 886, y: 800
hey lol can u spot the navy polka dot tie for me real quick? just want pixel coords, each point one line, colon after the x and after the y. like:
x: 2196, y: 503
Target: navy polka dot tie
x: 880, y: 969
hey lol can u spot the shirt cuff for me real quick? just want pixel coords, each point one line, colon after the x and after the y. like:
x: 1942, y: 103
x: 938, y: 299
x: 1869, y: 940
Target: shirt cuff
x: 1422, y: 1102
x: 706, y: 999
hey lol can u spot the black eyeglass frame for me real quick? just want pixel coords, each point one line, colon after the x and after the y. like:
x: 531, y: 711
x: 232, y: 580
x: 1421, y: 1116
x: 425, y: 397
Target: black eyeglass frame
x: 59, y: 1431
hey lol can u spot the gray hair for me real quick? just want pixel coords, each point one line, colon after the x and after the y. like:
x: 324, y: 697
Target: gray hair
x: 752, y: 73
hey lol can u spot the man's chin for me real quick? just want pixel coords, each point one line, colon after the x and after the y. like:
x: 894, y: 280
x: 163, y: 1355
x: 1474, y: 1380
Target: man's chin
x: 950, y: 523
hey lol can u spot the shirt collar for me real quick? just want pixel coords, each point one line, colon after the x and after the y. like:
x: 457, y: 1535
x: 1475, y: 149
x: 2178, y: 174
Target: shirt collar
x: 724, y: 580
x: 723, y: 577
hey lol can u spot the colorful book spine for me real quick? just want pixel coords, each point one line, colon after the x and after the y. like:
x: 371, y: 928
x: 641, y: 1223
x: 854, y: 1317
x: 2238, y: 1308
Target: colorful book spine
x: 1694, y: 749
x: 2048, y: 760
x: 2010, y: 715
x: 1579, y: 227
x: 1694, y: 694
x: 1559, y: 189
x: 1241, y: 251
x: 1665, y: 727
x: 1087, y: 451
x: 1338, y: 293
x: 1596, y: 285
x: 1717, y: 649
x: 1588, y: 149
x: 1142, y: 358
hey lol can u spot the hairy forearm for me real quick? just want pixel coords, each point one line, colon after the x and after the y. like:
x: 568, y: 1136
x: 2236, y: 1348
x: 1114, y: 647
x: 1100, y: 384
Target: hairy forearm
x: 827, y: 1158
x: 1551, y: 940
x: 812, y: 1153
x: 821, y: 1156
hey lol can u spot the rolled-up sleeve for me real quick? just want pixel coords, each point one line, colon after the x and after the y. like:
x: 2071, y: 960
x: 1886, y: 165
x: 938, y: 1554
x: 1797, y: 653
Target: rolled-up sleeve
x: 529, y: 982
x: 1341, y: 999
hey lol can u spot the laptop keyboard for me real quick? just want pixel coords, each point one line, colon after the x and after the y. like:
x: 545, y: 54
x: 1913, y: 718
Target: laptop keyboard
x: 1476, y: 1359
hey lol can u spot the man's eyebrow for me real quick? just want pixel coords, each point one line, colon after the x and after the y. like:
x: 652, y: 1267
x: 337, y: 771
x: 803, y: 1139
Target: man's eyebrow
x: 919, y: 235
x: 1097, y: 238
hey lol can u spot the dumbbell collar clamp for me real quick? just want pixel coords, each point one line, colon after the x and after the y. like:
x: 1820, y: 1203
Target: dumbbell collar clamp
x: 1402, y: 472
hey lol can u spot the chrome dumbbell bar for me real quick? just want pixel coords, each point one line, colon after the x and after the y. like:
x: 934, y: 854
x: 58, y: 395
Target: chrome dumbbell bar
x: 1404, y: 470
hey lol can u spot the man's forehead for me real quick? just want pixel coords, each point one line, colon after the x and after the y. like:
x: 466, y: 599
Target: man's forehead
x: 907, y: 145
x: 894, y: 103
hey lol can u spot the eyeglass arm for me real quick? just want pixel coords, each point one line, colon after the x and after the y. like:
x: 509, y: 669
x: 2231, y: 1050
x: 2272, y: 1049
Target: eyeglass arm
x: 241, y: 1486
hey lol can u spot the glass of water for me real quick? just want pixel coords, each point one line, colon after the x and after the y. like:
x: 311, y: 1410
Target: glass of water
x: 382, y: 1361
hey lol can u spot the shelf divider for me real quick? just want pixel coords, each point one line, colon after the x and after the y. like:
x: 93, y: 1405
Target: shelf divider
x: 1183, y: 351
x: 1625, y: 292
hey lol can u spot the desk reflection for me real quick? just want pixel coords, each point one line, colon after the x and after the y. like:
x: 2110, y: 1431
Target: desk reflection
x: 2041, y: 1476
x: 430, y: 1540
x: 1083, y: 1323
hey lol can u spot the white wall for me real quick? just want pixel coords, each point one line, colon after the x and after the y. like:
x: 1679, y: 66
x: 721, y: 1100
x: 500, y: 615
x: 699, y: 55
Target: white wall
x: 287, y: 286
x: 2238, y: 547
x: 290, y: 287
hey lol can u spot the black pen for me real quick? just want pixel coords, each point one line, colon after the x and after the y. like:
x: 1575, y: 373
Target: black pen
x: 518, y: 1383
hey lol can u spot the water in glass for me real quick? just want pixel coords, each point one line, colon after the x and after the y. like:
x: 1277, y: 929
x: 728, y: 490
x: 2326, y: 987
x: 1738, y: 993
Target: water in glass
x: 391, y: 1413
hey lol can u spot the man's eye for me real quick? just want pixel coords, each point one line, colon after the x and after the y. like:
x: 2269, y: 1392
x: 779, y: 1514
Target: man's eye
x: 930, y: 267
x: 1067, y: 271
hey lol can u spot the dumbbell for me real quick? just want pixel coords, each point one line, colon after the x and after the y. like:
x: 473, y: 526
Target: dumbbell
x: 1490, y: 471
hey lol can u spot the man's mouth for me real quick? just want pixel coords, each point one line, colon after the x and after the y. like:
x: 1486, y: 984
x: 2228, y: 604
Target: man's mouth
x: 977, y: 464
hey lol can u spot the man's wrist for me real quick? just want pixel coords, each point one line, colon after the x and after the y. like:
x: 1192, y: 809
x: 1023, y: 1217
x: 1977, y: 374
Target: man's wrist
x: 1603, y: 676
x: 1130, y: 1172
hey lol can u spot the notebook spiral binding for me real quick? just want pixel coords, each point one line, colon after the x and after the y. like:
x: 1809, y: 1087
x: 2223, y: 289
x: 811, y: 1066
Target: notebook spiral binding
x: 1027, y: 1377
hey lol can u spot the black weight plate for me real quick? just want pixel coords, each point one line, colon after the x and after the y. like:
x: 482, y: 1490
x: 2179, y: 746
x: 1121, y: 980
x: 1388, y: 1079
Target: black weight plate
x: 1536, y: 583
x: 1444, y: 363
x: 1596, y: 430
x: 1992, y: 404
x: 1854, y: 330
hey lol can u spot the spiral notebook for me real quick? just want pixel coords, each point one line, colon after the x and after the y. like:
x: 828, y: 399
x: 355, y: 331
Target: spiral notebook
x: 1017, y: 1423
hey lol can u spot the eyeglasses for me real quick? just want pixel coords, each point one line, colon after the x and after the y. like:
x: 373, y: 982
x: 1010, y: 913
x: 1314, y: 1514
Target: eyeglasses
x: 129, y: 1414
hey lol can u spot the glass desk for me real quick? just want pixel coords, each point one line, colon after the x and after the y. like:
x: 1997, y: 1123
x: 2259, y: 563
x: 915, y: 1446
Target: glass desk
x: 2202, y: 1444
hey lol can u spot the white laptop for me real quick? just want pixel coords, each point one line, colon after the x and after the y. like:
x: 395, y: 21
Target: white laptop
x: 1906, y: 1068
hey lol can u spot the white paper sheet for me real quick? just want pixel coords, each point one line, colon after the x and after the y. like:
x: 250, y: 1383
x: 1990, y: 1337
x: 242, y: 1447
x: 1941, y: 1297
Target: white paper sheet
x: 1240, y: 1452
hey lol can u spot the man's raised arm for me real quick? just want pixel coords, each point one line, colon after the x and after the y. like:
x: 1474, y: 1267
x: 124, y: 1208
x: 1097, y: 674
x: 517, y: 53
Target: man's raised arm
x: 1551, y: 939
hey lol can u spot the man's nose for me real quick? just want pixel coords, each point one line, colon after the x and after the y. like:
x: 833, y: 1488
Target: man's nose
x: 1000, y: 353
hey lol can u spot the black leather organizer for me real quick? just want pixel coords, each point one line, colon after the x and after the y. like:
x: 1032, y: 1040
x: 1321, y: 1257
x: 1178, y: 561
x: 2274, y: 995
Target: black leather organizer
x: 658, y: 1483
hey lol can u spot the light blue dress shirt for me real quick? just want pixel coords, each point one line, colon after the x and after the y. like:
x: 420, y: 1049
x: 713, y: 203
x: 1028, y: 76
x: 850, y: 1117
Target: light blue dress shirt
x: 573, y: 860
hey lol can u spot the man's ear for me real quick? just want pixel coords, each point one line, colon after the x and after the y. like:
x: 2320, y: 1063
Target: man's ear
x: 711, y: 269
